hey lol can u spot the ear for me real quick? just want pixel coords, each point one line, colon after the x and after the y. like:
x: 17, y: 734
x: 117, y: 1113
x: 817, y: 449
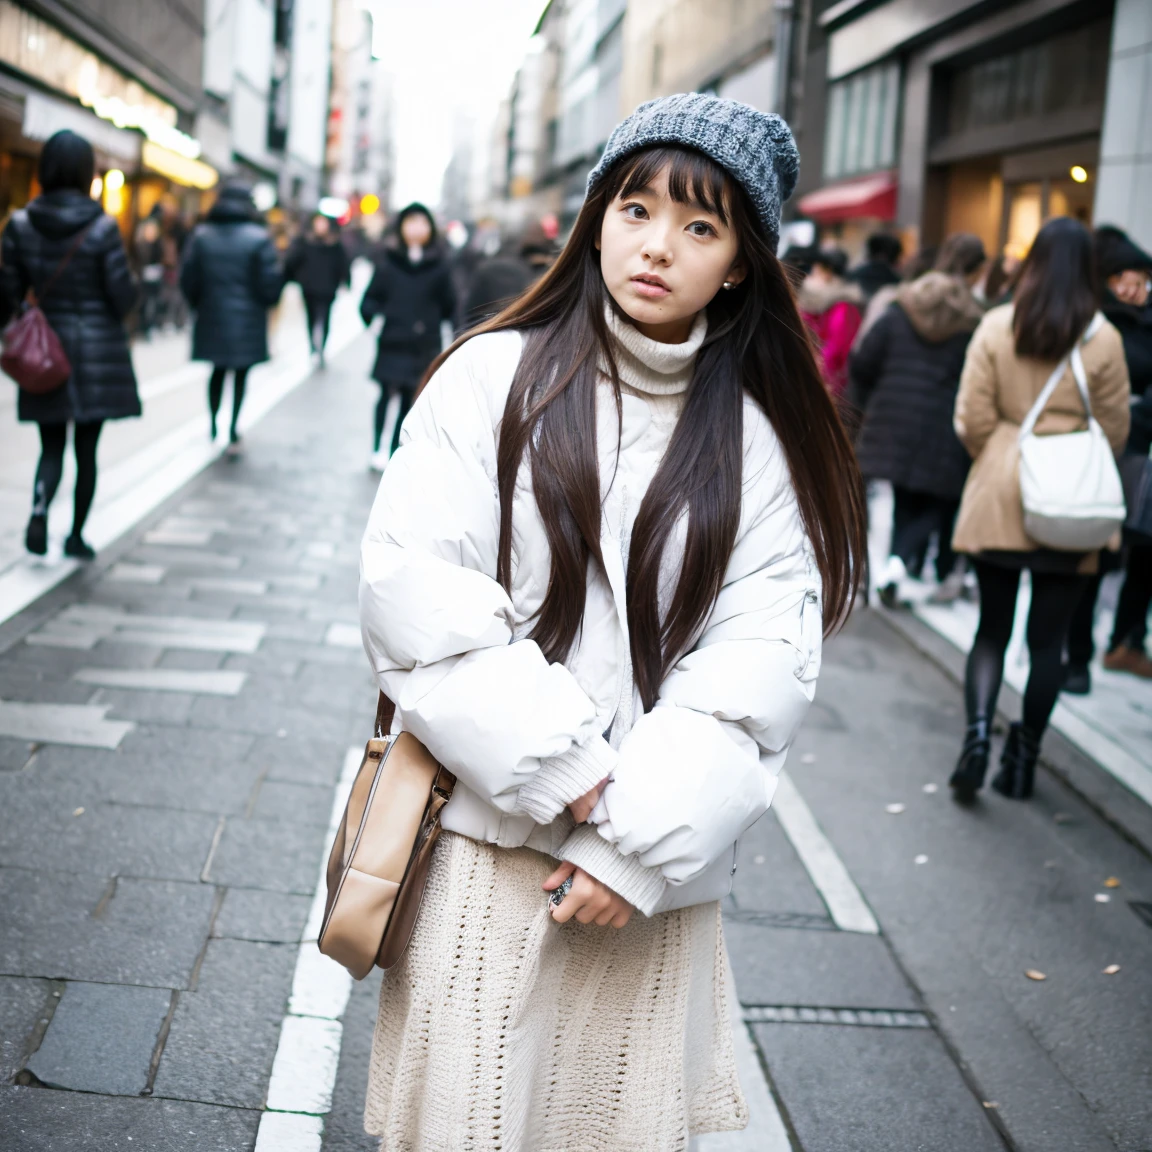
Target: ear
x: 736, y: 272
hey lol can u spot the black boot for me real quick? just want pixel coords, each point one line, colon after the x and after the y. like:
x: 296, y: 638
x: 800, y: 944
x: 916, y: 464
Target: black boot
x: 968, y: 778
x: 36, y: 536
x: 1018, y: 763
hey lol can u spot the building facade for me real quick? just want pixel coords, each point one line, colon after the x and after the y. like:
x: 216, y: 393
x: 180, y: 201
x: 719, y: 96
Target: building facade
x: 988, y: 118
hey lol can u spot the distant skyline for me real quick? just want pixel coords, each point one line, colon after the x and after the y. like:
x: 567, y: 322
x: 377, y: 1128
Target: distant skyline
x: 446, y: 56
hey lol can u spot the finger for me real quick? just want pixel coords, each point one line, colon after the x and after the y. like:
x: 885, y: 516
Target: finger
x: 559, y: 876
x: 591, y: 909
x: 581, y: 809
x: 606, y: 917
x: 621, y: 918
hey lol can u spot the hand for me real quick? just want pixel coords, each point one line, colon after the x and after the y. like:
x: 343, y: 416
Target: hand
x: 588, y: 900
x: 581, y: 807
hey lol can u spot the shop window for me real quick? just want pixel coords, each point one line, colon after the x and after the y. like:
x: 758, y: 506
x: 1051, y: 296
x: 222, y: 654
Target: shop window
x: 1064, y: 72
x: 860, y: 135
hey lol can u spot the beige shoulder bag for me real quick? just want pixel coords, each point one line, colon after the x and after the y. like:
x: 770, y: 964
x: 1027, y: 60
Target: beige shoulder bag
x: 379, y: 861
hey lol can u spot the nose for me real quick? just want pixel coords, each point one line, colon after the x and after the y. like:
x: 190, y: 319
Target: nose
x: 657, y: 244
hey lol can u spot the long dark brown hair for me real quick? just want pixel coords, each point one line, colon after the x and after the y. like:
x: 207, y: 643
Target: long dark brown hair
x: 756, y: 344
x: 1057, y: 293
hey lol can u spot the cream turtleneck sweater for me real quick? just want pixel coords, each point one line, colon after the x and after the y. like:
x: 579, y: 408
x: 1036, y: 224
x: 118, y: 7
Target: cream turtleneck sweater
x: 657, y: 373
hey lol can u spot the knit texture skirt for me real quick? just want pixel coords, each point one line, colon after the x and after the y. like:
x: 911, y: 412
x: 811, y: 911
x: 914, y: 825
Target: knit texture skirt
x: 503, y: 1030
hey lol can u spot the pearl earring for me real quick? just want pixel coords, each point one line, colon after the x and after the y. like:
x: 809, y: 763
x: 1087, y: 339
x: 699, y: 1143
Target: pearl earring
x: 728, y: 285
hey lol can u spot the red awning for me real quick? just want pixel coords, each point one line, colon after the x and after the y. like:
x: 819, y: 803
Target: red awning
x: 871, y: 196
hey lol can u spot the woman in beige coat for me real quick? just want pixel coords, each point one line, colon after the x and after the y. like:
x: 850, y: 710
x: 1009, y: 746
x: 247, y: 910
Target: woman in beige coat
x: 1012, y: 354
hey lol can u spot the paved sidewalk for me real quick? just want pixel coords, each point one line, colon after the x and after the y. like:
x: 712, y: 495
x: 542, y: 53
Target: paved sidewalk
x: 172, y: 722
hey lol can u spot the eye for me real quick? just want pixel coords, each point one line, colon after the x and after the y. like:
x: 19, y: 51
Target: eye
x: 701, y: 228
x: 635, y: 211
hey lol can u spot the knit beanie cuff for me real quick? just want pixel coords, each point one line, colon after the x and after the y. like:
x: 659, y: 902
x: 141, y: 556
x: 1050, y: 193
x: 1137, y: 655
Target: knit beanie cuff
x: 625, y: 875
x: 561, y: 779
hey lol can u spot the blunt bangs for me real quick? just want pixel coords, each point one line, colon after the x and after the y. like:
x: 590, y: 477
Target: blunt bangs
x: 693, y: 178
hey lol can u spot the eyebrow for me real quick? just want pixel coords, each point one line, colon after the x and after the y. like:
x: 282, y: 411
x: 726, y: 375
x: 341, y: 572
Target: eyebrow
x: 648, y: 190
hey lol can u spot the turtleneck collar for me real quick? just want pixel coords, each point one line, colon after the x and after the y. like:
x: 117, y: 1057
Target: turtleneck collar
x: 649, y: 366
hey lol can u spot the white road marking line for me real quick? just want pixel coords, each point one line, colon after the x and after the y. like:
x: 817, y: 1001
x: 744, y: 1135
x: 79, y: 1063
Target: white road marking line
x: 81, y: 725
x: 846, y: 904
x: 344, y: 636
x: 127, y: 573
x: 177, y: 537
x: 308, y: 1052
x: 206, y: 683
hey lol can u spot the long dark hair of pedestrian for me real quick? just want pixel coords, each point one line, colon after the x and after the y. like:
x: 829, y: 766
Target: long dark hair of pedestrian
x: 66, y: 162
x: 960, y: 254
x: 1058, y: 292
x: 756, y: 345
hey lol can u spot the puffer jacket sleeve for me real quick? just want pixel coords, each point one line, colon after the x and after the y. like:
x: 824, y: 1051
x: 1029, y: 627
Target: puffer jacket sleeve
x: 192, y: 271
x: 977, y: 404
x: 438, y: 628
x: 373, y: 302
x: 14, y: 281
x: 700, y: 768
x: 119, y: 284
x: 268, y: 275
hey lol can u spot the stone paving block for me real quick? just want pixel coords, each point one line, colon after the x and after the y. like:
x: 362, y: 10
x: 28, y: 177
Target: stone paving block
x: 294, y: 803
x: 14, y: 754
x: 769, y: 874
x: 23, y: 1006
x: 223, y: 1037
x: 285, y: 650
x: 352, y: 691
x: 302, y: 761
x: 106, y: 839
x: 86, y: 725
x: 195, y: 661
x: 168, y: 708
x: 262, y: 662
x: 62, y: 662
x: 794, y: 966
x: 268, y: 854
x: 18, y: 682
x: 39, y: 1120
x: 344, y: 1126
x: 873, y: 1090
x: 257, y: 714
x: 211, y: 682
x: 145, y: 932
x: 256, y: 914
x: 101, y: 1039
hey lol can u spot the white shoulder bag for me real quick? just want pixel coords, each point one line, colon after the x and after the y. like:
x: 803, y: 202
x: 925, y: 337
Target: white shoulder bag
x: 1069, y: 483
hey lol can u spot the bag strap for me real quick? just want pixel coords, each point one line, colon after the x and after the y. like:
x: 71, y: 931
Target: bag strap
x: 67, y: 259
x: 1078, y: 373
x: 385, y: 711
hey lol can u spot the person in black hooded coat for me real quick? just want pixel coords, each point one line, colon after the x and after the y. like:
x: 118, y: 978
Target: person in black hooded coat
x: 231, y: 276
x: 86, y: 306
x: 412, y: 289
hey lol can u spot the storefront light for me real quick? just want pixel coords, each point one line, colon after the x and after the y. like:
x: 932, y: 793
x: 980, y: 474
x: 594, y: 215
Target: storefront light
x: 114, y: 180
x: 113, y: 192
x: 97, y: 189
x: 334, y: 206
x: 369, y: 204
x: 1079, y: 174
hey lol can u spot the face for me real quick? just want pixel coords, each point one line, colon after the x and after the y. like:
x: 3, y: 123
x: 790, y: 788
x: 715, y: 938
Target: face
x: 1130, y: 287
x: 320, y: 225
x: 416, y: 230
x: 663, y: 261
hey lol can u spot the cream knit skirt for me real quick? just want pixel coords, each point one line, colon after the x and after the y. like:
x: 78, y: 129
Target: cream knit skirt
x: 502, y: 1030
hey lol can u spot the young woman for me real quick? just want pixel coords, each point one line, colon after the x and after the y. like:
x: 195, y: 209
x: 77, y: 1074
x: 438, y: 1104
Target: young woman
x: 64, y: 230
x: 412, y: 290
x: 318, y: 262
x: 832, y: 307
x: 595, y: 581
x: 1012, y: 354
x: 231, y: 276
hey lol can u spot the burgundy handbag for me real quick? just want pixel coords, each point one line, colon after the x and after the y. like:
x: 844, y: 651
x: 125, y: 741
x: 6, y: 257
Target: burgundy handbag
x: 33, y: 355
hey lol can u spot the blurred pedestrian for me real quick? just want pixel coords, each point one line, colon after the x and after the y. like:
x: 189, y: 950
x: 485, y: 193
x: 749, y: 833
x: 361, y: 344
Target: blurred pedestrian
x: 921, y: 261
x: 831, y: 307
x: 318, y: 262
x: 904, y: 378
x: 149, y: 253
x: 880, y: 269
x: 1013, y: 353
x: 412, y: 290
x: 1000, y: 280
x: 503, y: 277
x: 613, y: 731
x: 68, y: 252
x: 231, y: 276
x: 1125, y: 269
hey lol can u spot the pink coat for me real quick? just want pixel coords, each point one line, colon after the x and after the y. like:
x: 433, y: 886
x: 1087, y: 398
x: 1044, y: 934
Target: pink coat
x: 833, y: 315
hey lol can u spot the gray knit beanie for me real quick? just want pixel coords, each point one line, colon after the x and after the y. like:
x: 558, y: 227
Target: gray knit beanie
x: 755, y: 147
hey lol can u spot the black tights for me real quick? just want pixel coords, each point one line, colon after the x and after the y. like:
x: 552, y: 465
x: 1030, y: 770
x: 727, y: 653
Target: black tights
x: 1054, y: 599
x: 387, y: 391
x: 216, y: 394
x: 319, y: 312
x: 53, y: 438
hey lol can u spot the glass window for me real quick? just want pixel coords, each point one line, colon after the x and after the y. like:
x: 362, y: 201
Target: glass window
x: 860, y: 132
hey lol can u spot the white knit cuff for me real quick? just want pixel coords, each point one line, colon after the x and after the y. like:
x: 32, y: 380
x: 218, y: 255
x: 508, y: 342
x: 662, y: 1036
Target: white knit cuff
x: 561, y: 779
x: 625, y: 875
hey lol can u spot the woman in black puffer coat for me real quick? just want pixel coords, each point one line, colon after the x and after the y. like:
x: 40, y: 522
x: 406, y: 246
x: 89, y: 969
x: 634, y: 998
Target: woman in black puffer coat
x: 86, y: 307
x: 412, y: 290
x: 904, y: 377
x: 231, y: 277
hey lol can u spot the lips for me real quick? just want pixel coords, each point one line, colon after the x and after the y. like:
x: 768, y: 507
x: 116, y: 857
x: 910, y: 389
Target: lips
x: 651, y: 286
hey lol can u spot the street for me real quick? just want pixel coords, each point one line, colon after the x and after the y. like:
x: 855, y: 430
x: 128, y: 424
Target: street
x: 178, y: 722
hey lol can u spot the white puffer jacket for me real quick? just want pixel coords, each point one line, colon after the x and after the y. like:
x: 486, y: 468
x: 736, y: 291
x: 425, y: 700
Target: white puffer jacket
x: 525, y: 737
